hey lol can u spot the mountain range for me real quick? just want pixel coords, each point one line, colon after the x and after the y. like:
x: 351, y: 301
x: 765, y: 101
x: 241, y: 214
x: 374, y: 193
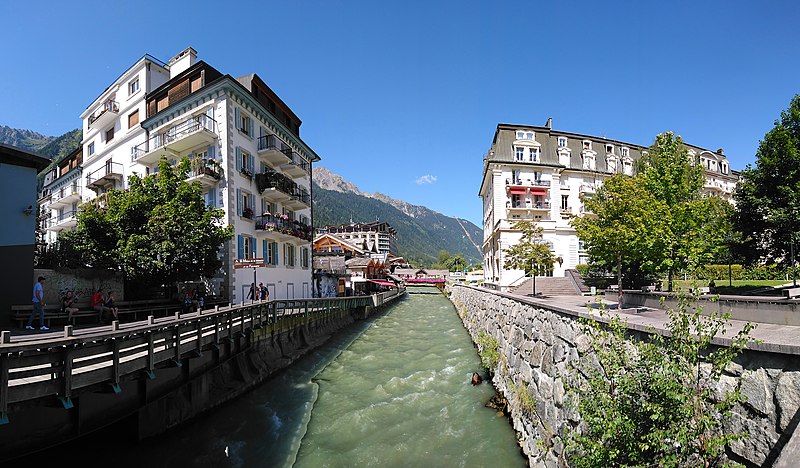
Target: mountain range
x: 421, y: 232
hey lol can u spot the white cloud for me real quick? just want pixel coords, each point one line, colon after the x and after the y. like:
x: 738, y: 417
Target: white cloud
x: 426, y: 179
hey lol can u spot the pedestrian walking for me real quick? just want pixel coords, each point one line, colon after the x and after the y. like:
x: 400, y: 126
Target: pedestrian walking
x: 38, y: 305
x: 262, y: 290
x: 252, y: 295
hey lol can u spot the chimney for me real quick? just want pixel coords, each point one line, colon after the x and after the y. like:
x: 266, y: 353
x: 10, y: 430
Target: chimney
x: 719, y: 151
x: 549, y: 123
x: 181, y: 62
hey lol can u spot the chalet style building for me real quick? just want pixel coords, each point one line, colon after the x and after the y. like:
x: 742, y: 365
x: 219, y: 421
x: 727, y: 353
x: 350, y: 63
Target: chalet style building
x: 538, y: 174
x: 377, y: 236
x: 245, y: 150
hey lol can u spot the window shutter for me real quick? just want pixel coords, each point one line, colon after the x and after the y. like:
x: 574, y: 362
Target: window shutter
x: 212, y: 197
x: 238, y: 158
x: 265, y: 248
x: 237, y: 120
x: 275, y: 253
x: 211, y: 152
x: 261, y: 131
x: 239, y: 201
x: 255, y: 247
x: 241, y: 246
x: 284, y: 254
x: 250, y: 131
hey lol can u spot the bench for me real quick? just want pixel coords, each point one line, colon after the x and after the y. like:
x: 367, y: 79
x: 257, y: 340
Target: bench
x: 52, y: 314
x: 791, y: 293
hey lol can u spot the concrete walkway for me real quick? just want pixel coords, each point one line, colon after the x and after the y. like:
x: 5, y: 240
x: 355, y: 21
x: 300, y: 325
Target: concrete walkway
x: 774, y: 338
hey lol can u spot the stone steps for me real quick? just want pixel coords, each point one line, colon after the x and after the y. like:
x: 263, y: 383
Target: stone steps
x: 547, y: 286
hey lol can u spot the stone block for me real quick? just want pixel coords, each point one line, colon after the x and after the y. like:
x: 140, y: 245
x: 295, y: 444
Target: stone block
x: 787, y: 395
x: 756, y: 387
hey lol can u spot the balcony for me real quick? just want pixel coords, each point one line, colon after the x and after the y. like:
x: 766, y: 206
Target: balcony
x: 63, y: 221
x: 109, y: 174
x: 299, y: 199
x: 205, y: 171
x: 275, y: 187
x: 105, y: 115
x: 528, y: 206
x: 283, y: 228
x: 195, y: 131
x: 297, y: 166
x: 273, y: 150
x: 65, y: 196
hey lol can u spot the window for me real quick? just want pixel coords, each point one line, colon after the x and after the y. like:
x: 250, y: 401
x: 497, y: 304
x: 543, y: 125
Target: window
x: 133, y: 118
x: 624, y: 152
x: 91, y: 148
x: 609, y: 148
x: 245, y: 203
x: 289, y: 253
x: 611, y: 163
x: 247, y: 246
x: 304, y: 257
x: 520, y: 151
x: 133, y: 87
x: 521, y: 135
x: 587, y: 145
x: 565, y: 202
x: 109, y: 134
x: 562, y: 142
x: 534, y: 154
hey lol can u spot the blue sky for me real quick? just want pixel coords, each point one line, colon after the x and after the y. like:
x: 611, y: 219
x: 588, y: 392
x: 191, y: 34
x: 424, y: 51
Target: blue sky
x: 404, y: 97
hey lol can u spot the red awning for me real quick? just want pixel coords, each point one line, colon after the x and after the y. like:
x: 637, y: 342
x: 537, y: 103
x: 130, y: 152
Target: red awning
x: 518, y: 190
x: 384, y: 283
x: 539, y: 191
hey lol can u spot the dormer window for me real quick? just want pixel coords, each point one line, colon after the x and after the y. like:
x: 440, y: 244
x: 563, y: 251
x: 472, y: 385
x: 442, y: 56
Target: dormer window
x: 723, y: 168
x: 534, y: 154
x: 627, y: 167
x: 587, y: 145
x: 520, y: 153
x: 611, y: 163
x: 525, y: 135
x: 610, y: 149
x: 562, y: 142
x: 624, y: 152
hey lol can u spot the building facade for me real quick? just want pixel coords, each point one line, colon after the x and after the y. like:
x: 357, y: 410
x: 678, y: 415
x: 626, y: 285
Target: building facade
x: 377, y: 236
x: 539, y: 174
x: 243, y: 143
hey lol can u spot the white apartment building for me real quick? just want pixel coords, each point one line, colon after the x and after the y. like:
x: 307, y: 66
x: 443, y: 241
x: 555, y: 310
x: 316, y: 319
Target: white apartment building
x: 246, y: 152
x: 538, y: 174
x: 377, y: 236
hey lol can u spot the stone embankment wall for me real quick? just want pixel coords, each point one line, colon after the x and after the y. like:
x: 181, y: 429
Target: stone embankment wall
x: 538, y: 343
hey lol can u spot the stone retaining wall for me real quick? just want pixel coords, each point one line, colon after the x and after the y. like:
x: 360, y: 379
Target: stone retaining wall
x: 537, y: 345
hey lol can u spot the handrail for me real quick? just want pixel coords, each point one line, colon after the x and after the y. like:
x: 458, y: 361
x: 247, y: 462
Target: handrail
x: 176, y: 132
x: 62, y: 365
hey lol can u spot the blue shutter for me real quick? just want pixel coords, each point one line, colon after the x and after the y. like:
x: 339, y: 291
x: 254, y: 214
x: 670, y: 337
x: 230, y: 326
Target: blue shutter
x: 275, y: 253
x: 265, y: 248
x: 212, y: 197
x: 284, y: 254
x: 251, y: 163
x: 239, y: 201
x: 236, y: 117
x: 211, y: 152
x: 261, y: 131
x: 251, y: 131
x: 238, y: 158
x: 255, y: 247
x: 241, y: 246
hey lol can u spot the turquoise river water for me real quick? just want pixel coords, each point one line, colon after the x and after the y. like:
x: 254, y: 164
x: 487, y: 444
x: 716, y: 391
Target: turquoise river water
x: 393, y: 391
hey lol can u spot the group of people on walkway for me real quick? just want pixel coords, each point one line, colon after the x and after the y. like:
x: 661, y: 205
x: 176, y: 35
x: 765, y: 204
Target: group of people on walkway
x: 102, y: 302
x: 192, y: 299
x: 258, y: 293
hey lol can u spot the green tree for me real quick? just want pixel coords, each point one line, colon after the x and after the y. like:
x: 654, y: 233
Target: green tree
x: 675, y: 178
x: 624, y: 225
x: 531, y: 254
x: 768, y: 194
x: 652, y: 401
x: 158, y: 230
x: 455, y: 263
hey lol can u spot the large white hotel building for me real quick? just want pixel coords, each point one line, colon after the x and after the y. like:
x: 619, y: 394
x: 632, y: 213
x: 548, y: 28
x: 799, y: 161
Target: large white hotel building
x: 246, y: 152
x: 538, y: 174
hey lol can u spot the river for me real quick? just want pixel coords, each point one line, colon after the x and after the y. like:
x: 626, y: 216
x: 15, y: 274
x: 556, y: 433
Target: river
x: 393, y: 390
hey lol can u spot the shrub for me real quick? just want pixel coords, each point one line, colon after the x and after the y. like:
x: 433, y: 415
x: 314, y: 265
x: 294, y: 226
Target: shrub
x: 487, y: 347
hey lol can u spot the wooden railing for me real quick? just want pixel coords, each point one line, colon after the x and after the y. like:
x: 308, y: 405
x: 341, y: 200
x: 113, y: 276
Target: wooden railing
x: 62, y: 364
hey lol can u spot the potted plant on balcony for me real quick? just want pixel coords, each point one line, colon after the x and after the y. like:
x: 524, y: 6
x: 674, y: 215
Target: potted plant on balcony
x: 246, y: 172
x: 213, y: 168
x: 247, y: 212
